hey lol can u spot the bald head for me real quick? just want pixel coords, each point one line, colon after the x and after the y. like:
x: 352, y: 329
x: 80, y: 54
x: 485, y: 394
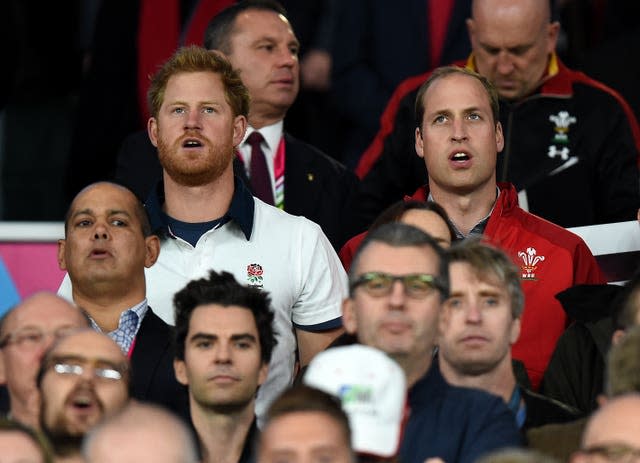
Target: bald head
x: 512, y: 41
x: 26, y: 332
x: 140, y: 433
x: 616, y: 425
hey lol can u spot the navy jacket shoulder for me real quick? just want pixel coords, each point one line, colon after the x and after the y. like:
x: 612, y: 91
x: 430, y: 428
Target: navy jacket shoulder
x: 454, y: 423
x: 319, y: 188
x: 153, y: 378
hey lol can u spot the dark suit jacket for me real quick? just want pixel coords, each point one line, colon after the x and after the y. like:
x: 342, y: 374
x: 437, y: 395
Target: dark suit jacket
x: 153, y: 378
x: 316, y: 186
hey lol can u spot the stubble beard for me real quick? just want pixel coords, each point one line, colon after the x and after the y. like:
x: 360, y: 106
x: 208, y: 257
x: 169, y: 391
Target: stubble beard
x: 198, y: 168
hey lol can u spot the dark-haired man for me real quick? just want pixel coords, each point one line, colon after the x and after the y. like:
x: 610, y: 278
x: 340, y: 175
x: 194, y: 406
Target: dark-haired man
x: 224, y: 340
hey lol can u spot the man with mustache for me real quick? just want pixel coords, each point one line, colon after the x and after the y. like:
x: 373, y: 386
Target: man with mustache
x: 398, y: 281
x: 83, y: 379
x: 208, y: 220
x: 224, y: 340
x: 258, y: 40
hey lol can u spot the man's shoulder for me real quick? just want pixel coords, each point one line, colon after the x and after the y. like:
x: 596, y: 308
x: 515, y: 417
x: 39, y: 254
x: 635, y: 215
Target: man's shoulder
x: 312, y: 155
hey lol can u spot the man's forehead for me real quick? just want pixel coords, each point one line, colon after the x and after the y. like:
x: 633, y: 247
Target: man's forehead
x: 438, y: 95
x: 43, y: 311
x: 206, y: 317
x: 398, y: 259
x: 104, y: 196
x: 88, y: 345
x: 462, y: 274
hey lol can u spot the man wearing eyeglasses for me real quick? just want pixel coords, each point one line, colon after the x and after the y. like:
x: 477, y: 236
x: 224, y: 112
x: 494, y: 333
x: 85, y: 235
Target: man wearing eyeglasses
x: 26, y: 332
x: 83, y: 379
x: 397, y: 283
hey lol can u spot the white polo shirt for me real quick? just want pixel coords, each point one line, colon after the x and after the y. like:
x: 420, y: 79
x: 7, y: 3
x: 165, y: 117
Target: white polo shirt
x: 300, y: 270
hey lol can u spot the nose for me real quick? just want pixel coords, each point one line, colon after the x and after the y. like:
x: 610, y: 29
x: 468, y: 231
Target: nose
x: 459, y: 129
x: 505, y: 63
x: 223, y: 353
x: 286, y: 57
x: 398, y: 295
x: 193, y: 120
x: 473, y: 312
x: 101, y: 232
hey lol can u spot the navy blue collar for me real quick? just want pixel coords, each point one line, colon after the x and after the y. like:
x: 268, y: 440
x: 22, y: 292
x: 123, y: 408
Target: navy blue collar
x: 240, y: 211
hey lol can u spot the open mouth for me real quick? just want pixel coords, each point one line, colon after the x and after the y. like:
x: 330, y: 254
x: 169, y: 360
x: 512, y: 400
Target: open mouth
x: 99, y: 253
x: 460, y: 157
x: 192, y: 143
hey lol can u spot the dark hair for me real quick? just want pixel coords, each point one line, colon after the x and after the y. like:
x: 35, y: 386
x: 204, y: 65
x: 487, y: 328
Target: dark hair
x: 223, y: 289
x: 395, y: 212
x: 303, y: 398
x: 139, y: 210
x: 398, y: 234
x: 38, y: 439
x: 196, y: 59
x: 218, y: 34
x: 487, y: 263
x: 446, y: 71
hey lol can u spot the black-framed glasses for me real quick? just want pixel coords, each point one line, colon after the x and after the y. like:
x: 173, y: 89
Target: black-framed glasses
x: 416, y: 285
x: 76, y: 367
x: 620, y: 453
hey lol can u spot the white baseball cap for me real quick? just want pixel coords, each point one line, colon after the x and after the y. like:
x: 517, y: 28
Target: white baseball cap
x: 372, y: 389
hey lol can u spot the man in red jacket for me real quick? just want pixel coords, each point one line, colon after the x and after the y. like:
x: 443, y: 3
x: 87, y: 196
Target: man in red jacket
x: 459, y: 136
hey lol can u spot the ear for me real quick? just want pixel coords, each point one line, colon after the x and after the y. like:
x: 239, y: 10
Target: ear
x: 262, y: 376
x: 62, y: 264
x: 152, y: 130
x: 239, y: 128
x: 553, y: 31
x: 499, y: 137
x: 180, y: 370
x: 419, y: 143
x: 471, y: 27
x: 152, y: 245
x: 3, y: 373
x: 616, y: 337
x: 515, y: 330
x: 349, y: 318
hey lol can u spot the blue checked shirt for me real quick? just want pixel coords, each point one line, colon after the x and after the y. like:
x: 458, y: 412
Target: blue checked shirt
x: 128, y: 326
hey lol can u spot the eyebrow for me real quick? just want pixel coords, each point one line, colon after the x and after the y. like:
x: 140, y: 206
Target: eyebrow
x: 213, y: 337
x: 100, y: 362
x: 110, y: 212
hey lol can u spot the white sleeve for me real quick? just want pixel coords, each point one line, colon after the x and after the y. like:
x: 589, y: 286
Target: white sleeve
x: 324, y: 281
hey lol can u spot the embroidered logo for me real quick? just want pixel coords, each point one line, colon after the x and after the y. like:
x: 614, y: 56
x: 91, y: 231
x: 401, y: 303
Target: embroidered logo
x: 562, y: 120
x: 254, y: 275
x: 530, y: 259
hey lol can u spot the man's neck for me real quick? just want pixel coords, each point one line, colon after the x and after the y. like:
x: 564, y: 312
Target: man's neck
x: 259, y: 118
x: 105, y: 304
x: 197, y: 204
x: 414, y: 368
x: 500, y: 381
x: 222, y: 436
x: 26, y: 410
x: 467, y: 209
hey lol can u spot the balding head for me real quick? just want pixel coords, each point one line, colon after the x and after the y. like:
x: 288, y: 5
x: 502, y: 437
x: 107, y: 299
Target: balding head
x: 26, y: 332
x: 83, y: 379
x: 512, y: 41
x: 140, y: 433
x: 613, y: 429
